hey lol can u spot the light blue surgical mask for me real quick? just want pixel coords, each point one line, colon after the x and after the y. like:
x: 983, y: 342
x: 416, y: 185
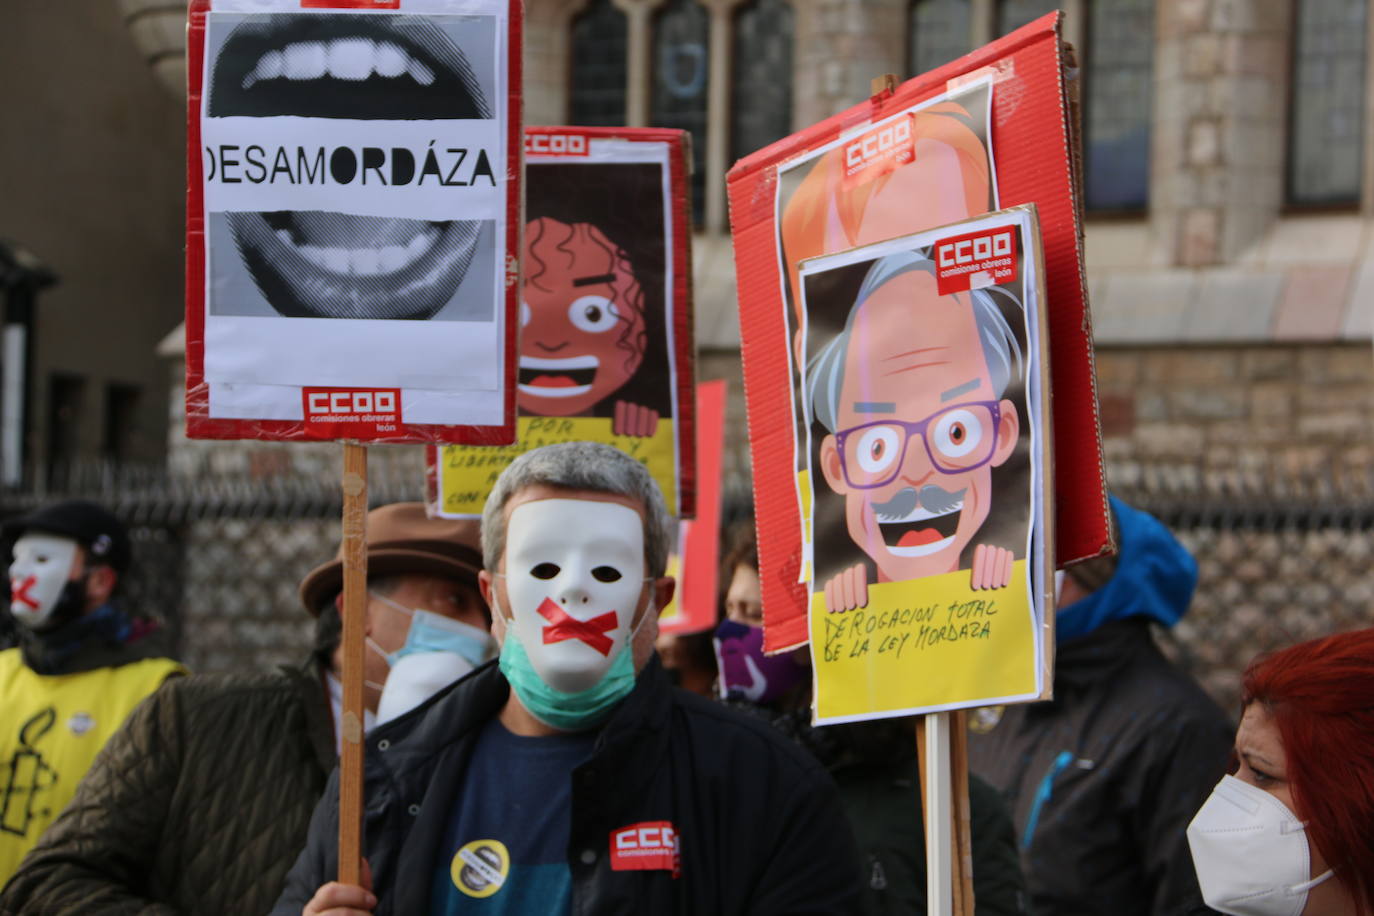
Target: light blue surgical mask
x: 569, y: 712
x: 431, y: 632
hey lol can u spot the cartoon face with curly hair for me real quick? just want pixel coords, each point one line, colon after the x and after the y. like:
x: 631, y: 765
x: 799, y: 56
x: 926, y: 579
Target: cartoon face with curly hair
x: 583, y: 330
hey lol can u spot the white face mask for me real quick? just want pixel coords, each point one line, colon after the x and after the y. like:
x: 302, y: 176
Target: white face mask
x: 41, y: 569
x: 574, y: 576
x: 1250, y: 853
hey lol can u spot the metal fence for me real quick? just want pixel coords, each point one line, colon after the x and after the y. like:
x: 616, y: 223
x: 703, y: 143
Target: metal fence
x: 219, y: 557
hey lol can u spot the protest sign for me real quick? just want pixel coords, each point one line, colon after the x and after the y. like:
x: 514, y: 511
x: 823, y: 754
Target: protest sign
x: 353, y: 198
x: 927, y: 455
x: 992, y: 129
x: 352, y: 220
x: 696, y: 601
x: 606, y: 350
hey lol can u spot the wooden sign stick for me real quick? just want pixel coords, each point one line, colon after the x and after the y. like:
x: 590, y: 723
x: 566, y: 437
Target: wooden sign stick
x: 354, y: 611
x: 963, y: 820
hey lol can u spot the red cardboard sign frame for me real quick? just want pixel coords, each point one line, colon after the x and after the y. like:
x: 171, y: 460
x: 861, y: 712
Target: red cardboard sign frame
x: 1032, y: 147
x: 199, y: 423
x: 698, y: 595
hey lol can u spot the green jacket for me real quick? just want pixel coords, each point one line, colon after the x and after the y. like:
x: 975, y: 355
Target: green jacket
x: 199, y: 804
x: 883, y: 801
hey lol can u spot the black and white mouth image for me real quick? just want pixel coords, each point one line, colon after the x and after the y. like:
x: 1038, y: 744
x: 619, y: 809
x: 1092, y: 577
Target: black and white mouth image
x: 344, y: 66
x: 312, y: 264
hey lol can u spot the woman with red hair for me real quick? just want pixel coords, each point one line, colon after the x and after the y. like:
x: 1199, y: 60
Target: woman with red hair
x: 1292, y: 832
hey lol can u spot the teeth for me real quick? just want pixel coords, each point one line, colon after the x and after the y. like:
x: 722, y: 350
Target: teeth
x: 351, y: 59
x: 270, y: 67
x: 559, y: 365
x: 364, y: 262
x: 305, y: 60
x: 389, y: 60
x: 419, y: 245
x: 420, y: 73
x: 392, y: 257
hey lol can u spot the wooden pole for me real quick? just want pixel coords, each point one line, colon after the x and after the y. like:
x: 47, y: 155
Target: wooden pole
x: 963, y: 821
x: 354, y: 611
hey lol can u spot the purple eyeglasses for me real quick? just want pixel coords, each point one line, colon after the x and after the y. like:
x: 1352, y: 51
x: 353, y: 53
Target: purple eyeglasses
x: 957, y: 439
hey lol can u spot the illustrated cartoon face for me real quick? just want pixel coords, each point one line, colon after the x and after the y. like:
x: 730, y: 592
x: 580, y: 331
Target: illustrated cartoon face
x: 919, y: 429
x: 582, y: 319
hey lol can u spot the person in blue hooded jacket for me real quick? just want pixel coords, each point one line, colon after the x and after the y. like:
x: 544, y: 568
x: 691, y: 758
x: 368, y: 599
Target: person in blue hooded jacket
x: 1103, y: 779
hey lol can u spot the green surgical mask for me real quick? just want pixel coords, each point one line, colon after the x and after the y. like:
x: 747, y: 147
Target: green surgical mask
x: 568, y: 712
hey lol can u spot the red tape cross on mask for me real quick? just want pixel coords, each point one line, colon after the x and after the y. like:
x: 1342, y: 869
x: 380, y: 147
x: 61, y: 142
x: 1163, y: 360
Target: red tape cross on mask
x: 592, y: 632
x: 20, y: 592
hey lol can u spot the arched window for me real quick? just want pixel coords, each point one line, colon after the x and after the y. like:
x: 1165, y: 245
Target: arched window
x: 599, y: 42
x: 1117, y: 75
x: 1012, y: 14
x: 1326, y: 149
x: 940, y: 31
x: 682, y: 35
x: 762, y: 82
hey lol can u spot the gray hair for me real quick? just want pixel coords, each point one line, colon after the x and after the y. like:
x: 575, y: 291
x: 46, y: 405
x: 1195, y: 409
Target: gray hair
x: 579, y: 466
x: 1001, y: 350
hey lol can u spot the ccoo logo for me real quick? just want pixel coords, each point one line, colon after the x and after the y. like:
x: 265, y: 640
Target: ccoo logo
x: 351, y: 402
x: 975, y: 250
x: 555, y: 144
x: 877, y: 143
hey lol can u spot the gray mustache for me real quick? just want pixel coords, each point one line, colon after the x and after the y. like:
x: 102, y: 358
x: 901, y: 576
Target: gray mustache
x: 937, y: 500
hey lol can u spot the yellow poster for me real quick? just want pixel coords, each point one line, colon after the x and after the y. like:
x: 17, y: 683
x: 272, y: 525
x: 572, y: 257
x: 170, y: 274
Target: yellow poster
x: 923, y: 646
x: 467, y: 473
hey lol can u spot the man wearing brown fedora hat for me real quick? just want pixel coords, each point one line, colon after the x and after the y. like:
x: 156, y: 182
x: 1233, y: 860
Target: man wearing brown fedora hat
x: 201, y: 802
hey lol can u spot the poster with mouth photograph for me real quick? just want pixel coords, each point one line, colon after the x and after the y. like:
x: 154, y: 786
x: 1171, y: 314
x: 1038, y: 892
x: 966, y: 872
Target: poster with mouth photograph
x: 606, y: 345
x: 352, y: 220
x: 927, y: 449
x: 995, y: 128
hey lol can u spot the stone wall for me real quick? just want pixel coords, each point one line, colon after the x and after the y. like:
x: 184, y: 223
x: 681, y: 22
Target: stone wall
x: 1297, y: 411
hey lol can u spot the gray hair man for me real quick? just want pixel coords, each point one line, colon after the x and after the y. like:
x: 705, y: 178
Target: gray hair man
x: 572, y: 775
x: 911, y: 393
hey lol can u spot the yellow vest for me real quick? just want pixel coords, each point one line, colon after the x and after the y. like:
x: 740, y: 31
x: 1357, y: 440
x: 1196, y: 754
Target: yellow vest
x: 51, y: 727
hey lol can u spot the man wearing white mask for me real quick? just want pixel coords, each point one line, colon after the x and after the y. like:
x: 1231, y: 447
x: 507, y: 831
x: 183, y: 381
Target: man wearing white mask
x: 200, y: 804
x: 571, y: 777
x: 81, y: 665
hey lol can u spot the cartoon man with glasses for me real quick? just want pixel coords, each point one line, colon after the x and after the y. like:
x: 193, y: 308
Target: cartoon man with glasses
x: 911, y: 394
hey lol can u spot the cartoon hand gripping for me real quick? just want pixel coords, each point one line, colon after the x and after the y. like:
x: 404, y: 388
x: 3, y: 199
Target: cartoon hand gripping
x: 848, y: 589
x: 633, y: 420
x: 991, y: 567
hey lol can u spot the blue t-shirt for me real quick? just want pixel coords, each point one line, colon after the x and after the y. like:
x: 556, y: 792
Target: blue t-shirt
x: 506, y: 845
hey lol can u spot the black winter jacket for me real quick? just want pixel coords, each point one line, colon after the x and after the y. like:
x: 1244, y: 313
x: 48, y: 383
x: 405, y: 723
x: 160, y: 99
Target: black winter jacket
x: 1103, y: 780
x: 760, y: 824
x: 199, y: 804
